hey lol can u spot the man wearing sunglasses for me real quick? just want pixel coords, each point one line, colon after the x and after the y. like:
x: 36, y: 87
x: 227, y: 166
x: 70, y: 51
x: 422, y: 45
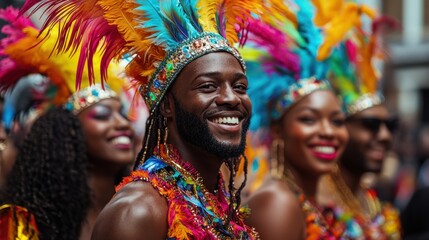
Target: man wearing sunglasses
x: 371, y: 129
x: 370, y: 133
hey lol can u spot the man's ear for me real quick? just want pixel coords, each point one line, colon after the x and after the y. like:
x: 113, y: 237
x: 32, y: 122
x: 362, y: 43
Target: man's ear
x: 167, y: 105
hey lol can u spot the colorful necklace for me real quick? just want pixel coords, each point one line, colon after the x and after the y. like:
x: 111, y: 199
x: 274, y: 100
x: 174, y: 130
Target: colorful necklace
x: 316, y: 225
x: 194, y: 212
x: 365, y: 216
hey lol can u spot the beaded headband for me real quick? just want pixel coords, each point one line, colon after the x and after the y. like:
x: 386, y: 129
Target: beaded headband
x: 363, y: 102
x: 295, y: 92
x: 177, y: 59
x: 87, y: 97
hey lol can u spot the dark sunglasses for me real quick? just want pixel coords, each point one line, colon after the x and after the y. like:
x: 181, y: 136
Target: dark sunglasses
x: 373, y: 124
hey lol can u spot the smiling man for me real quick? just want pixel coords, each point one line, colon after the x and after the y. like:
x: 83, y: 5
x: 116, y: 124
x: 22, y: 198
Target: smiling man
x: 194, y: 84
x: 370, y: 128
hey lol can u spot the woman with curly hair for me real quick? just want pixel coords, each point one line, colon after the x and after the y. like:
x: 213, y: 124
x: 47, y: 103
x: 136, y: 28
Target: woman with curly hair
x: 49, y: 177
x: 65, y: 170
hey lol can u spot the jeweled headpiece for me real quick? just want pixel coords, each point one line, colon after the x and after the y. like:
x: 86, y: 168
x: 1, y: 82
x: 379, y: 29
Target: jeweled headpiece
x: 161, y: 37
x: 353, y: 71
x: 50, y: 79
x: 280, y: 54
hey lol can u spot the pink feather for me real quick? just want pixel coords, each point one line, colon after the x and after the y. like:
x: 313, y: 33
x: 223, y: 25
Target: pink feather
x: 9, y: 71
x: 275, y: 43
x: 351, y: 50
x: 84, y: 29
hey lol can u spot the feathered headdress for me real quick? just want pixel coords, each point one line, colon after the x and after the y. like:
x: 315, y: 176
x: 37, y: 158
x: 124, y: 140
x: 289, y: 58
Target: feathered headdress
x: 161, y: 37
x: 353, y: 71
x: 281, y: 56
x: 27, y: 56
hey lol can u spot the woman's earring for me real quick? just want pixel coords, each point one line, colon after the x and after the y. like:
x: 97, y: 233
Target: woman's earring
x: 277, y: 159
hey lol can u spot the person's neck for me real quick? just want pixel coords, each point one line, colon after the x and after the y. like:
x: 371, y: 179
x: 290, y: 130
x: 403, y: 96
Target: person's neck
x: 206, y: 164
x: 306, y: 182
x: 352, y: 179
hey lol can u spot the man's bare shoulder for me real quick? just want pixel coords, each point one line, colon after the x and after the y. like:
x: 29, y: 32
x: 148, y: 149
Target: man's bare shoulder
x: 137, y: 211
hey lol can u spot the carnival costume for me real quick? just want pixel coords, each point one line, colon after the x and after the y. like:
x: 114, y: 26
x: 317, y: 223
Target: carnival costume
x: 34, y: 80
x: 356, y: 80
x: 161, y: 38
x: 281, y: 53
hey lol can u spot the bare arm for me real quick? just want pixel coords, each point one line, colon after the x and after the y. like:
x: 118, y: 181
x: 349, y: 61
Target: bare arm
x: 276, y: 213
x: 137, y: 211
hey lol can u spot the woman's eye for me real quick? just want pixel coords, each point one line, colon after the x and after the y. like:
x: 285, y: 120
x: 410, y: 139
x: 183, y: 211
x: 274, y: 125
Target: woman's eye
x: 101, y: 113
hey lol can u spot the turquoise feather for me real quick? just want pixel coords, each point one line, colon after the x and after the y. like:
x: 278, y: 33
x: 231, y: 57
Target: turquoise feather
x: 171, y: 21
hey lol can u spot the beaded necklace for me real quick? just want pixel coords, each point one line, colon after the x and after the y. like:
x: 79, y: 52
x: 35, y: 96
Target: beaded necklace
x: 194, y: 212
x: 366, y: 217
x: 317, y: 228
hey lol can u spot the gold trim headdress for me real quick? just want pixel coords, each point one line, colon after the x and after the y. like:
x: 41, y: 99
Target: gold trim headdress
x: 160, y: 37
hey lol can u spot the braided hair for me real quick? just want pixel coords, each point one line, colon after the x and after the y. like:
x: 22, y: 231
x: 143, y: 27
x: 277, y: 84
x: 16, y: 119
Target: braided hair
x: 49, y: 176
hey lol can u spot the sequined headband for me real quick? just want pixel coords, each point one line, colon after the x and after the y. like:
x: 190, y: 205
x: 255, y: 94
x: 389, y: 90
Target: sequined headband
x: 364, y: 102
x: 295, y: 92
x: 177, y: 59
x: 86, y: 97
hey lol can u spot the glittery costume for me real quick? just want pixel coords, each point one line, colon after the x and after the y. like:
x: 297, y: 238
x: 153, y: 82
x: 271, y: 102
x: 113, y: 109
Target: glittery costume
x: 193, y: 212
x: 17, y: 223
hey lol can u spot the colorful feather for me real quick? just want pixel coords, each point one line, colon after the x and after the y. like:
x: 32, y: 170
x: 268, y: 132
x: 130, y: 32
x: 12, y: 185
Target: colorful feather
x: 207, y: 10
x: 82, y: 27
x: 354, y: 74
x: 233, y: 13
x: 326, y: 10
x: 337, y: 28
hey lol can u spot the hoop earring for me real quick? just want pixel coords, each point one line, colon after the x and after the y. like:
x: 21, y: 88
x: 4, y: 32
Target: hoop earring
x: 3, y: 145
x: 277, y: 159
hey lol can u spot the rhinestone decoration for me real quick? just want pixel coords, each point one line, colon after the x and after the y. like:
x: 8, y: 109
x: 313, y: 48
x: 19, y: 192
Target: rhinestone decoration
x: 364, y: 102
x: 86, y: 97
x: 177, y: 59
x: 295, y: 92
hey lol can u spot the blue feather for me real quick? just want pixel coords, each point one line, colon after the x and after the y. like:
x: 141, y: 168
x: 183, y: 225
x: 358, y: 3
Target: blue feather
x: 170, y: 21
x: 189, y: 6
x: 157, y: 22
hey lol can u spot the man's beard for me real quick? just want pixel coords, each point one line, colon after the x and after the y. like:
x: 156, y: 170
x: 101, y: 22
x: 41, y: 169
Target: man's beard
x: 196, y: 131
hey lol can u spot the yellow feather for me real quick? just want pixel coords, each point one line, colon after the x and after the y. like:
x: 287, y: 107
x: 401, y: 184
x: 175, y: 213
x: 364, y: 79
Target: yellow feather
x: 277, y: 12
x: 235, y: 11
x: 326, y: 10
x: 207, y: 14
x: 338, y: 28
x: 122, y: 13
